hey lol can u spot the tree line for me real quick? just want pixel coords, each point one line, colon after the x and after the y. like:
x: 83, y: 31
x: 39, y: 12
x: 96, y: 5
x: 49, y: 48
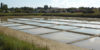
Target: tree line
x: 47, y: 9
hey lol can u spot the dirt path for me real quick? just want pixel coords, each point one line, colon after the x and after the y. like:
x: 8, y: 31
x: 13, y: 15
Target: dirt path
x: 52, y: 45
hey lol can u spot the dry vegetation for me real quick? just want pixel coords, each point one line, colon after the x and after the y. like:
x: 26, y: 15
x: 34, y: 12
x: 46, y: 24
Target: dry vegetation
x: 38, y: 41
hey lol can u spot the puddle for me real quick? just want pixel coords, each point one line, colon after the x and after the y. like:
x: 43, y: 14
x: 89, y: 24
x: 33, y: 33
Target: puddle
x: 93, y: 43
x: 11, y: 20
x: 78, y: 21
x: 94, y: 22
x: 23, y: 27
x: 64, y: 27
x: 32, y: 23
x: 65, y: 37
x: 11, y: 24
x: 88, y: 31
x: 39, y: 30
x: 4, y: 23
x: 52, y: 22
x: 18, y: 21
x: 86, y: 25
x: 46, y: 25
x: 37, y: 18
x: 24, y: 19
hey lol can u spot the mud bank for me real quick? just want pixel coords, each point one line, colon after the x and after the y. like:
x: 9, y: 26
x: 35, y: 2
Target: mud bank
x: 35, y: 39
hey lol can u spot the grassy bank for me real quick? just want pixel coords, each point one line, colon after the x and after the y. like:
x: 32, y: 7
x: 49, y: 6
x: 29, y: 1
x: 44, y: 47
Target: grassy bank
x: 10, y: 43
x: 20, y: 14
x: 91, y: 15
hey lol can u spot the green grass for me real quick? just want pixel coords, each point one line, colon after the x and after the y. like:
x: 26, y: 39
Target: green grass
x: 21, y: 14
x: 10, y: 43
x: 93, y: 15
x: 90, y: 15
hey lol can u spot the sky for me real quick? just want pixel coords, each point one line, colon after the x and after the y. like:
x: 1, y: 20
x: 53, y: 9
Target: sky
x: 53, y: 3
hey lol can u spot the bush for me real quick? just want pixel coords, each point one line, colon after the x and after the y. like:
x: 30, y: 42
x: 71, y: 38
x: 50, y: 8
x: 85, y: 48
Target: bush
x: 91, y: 15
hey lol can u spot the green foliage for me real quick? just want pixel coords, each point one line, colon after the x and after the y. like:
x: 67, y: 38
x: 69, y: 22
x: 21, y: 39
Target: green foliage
x: 46, y: 7
x: 10, y: 43
x: 91, y: 15
x: 4, y: 8
x: 22, y: 10
x: 0, y: 10
x: 86, y: 10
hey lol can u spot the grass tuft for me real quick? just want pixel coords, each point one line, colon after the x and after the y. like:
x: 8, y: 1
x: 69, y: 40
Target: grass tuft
x: 10, y: 43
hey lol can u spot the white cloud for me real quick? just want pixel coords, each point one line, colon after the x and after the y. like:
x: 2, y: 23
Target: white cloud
x: 75, y: 3
x: 54, y: 3
x: 59, y: 3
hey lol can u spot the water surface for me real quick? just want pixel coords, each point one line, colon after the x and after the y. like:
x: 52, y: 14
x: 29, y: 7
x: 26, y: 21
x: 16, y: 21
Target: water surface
x: 78, y: 32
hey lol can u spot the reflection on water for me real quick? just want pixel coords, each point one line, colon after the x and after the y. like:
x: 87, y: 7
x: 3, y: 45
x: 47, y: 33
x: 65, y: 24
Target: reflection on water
x: 65, y: 37
x: 62, y: 29
x: 93, y: 43
x: 39, y: 31
x: 3, y: 20
x: 88, y: 31
x: 92, y: 40
x: 22, y: 27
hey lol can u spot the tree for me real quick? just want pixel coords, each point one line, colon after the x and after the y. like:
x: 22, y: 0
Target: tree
x: 1, y: 5
x: 0, y: 10
x: 96, y: 10
x: 46, y: 7
x: 27, y: 9
x: 72, y: 10
x: 86, y: 10
x: 17, y: 10
x: 4, y: 7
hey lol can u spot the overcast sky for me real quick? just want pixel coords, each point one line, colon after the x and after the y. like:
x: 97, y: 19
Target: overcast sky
x: 53, y: 3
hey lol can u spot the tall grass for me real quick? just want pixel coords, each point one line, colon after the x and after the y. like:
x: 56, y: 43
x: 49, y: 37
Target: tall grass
x: 10, y: 43
x: 91, y: 15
